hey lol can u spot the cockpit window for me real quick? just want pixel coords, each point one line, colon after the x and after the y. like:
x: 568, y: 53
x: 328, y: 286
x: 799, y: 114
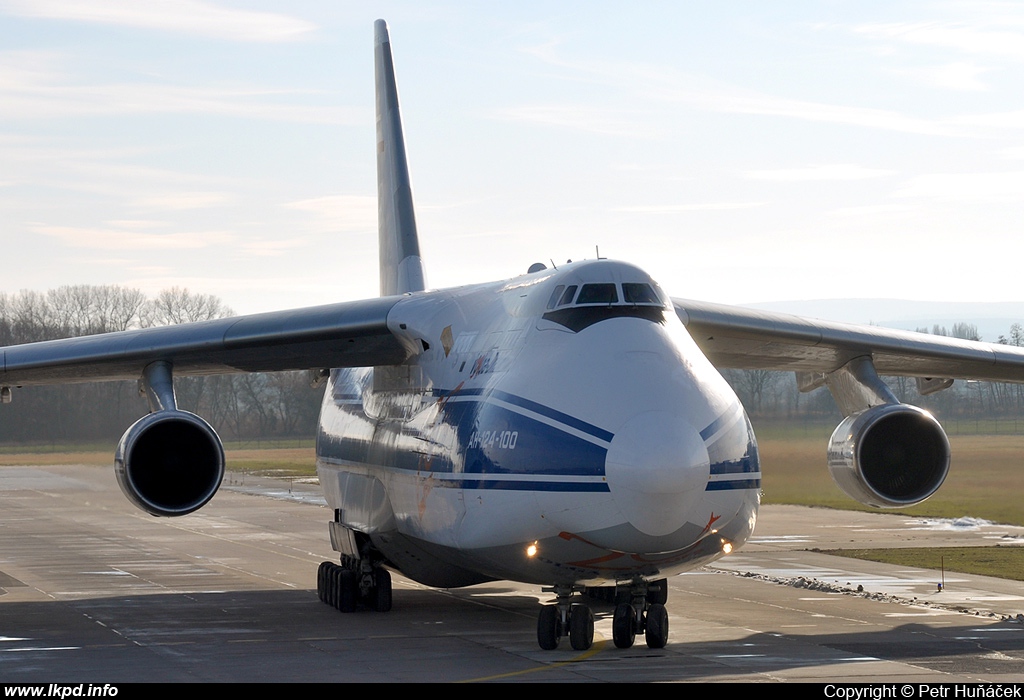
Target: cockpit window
x: 569, y: 294
x: 553, y: 301
x: 638, y: 293
x: 598, y: 294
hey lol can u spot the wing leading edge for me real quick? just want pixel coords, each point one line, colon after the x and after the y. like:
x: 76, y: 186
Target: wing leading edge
x: 741, y: 338
x: 349, y: 334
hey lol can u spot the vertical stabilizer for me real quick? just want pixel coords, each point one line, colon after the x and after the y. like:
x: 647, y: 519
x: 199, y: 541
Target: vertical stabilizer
x: 401, y: 268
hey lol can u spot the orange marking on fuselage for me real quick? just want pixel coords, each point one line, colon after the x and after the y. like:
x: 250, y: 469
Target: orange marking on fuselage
x: 426, y: 485
x: 442, y: 401
x: 711, y: 521
x: 612, y: 555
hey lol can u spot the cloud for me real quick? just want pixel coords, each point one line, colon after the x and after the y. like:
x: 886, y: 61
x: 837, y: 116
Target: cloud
x: 272, y: 248
x: 41, y: 91
x: 961, y: 37
x: 340, y: 213
x: 977, y: 187
x: 817, y: 173
x: 182, y: 200
x: 655, y: 82
x: 131, y: 239
x: 1013, y: 153
x: 179, y: 16
x: 586, y: 118
x: 750, y: 102
x: 951, y: 76
x: 674, y: 208
x: 998, y: 120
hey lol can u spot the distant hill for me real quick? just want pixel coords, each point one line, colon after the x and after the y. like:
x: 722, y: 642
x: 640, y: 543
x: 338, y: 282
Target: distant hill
x: 992, y: 319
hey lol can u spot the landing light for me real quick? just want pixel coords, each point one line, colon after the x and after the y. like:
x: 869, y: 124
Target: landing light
x: 531, y: 550
x: 726, y: 547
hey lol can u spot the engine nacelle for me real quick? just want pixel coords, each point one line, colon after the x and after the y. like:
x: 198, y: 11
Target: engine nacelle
x: 889, y: 456
x: 169, y: 463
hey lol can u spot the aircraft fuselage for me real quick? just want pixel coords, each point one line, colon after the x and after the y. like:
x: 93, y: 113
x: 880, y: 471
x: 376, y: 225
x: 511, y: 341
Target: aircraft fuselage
x: 559, y: 427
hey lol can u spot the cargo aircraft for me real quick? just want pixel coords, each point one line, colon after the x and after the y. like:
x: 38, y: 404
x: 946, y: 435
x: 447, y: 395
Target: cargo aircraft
x: 566, y: 428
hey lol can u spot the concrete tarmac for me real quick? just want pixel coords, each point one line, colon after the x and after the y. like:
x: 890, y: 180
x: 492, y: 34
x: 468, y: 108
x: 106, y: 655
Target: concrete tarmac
x: 94, y: 590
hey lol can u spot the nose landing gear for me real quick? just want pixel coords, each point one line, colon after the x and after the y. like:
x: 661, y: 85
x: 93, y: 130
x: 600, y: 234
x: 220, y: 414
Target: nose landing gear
x: 565, y: 617
x: 645, y: 612
x: 640, y: 610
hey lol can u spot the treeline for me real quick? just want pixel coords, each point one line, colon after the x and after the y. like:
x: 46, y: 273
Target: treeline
x: 239, y: 406
x: 279, y: 405
x: 774, y: 394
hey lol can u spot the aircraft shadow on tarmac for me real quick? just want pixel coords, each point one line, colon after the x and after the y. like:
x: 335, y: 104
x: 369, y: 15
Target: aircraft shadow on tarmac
x: 465, y: 634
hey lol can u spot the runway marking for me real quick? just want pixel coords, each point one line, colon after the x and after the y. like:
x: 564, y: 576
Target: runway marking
x: 8, y: 651
x: 599, y: 644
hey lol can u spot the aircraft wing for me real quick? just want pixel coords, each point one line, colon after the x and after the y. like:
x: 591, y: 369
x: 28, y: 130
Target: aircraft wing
x: 349, y: 334
x: 741, y: 338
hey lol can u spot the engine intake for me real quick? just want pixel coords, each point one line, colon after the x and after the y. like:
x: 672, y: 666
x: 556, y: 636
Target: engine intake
x: 889, y: 456
x: 169, y: 463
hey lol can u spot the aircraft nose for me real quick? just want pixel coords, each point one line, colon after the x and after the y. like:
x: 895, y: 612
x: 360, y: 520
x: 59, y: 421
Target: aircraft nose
x: 657, y: 466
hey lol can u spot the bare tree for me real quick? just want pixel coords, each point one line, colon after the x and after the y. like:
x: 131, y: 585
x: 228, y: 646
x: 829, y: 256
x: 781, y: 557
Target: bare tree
x: 178, y: 305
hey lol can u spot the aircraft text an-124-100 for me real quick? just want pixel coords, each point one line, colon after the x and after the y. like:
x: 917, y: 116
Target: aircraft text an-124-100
x: 567, y: 428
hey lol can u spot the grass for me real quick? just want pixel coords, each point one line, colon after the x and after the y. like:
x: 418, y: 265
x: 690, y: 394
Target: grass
x: 276, y: 461
x: 292, y: 458
x: 986, y: 476
x: 986, y: 480
x: 1001, y: 562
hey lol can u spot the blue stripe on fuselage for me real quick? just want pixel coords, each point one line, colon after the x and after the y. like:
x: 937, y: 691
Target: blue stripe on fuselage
x: 732, y: 433
x: 538, y: 408
x: 731, y: 485
x: 492, y: 438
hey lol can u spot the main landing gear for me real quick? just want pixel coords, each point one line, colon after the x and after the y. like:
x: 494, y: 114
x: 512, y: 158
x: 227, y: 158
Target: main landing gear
x: 644, y: 613
x: 640, y: 609
x: 565, y: 617
x: 355, y: 580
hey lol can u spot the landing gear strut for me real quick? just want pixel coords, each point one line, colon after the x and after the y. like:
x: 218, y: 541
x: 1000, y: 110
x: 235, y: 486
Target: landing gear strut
x: 644, y: 613
x: 343, y: 586
x: 565, y: 617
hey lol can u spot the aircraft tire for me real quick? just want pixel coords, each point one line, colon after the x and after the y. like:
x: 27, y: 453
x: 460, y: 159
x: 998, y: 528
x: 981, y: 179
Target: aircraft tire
x: 624, y: 626
x: 321, y: 580
x: 656, y: 629
x: 380, y: 595
x: 581, y: 627
x: 347, y: 590
x: 548, y: 633
x: 331, y: 585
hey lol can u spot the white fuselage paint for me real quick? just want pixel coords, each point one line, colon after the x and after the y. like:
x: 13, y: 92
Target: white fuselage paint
x: 599, y: 433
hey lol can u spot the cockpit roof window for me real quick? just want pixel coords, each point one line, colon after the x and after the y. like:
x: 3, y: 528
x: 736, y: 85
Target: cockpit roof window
x: 639, y: 293
x: 598, y: 294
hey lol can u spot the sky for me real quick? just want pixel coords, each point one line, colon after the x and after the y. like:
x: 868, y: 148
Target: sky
x: 740, y: 152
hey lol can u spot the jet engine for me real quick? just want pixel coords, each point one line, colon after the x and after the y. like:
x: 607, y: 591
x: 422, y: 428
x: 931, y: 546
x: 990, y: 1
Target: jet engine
x: 169, y: 463
x: 889, y: 456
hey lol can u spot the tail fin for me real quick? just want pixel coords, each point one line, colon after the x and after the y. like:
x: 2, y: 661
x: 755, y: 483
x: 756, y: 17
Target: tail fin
x: 401, y: 268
